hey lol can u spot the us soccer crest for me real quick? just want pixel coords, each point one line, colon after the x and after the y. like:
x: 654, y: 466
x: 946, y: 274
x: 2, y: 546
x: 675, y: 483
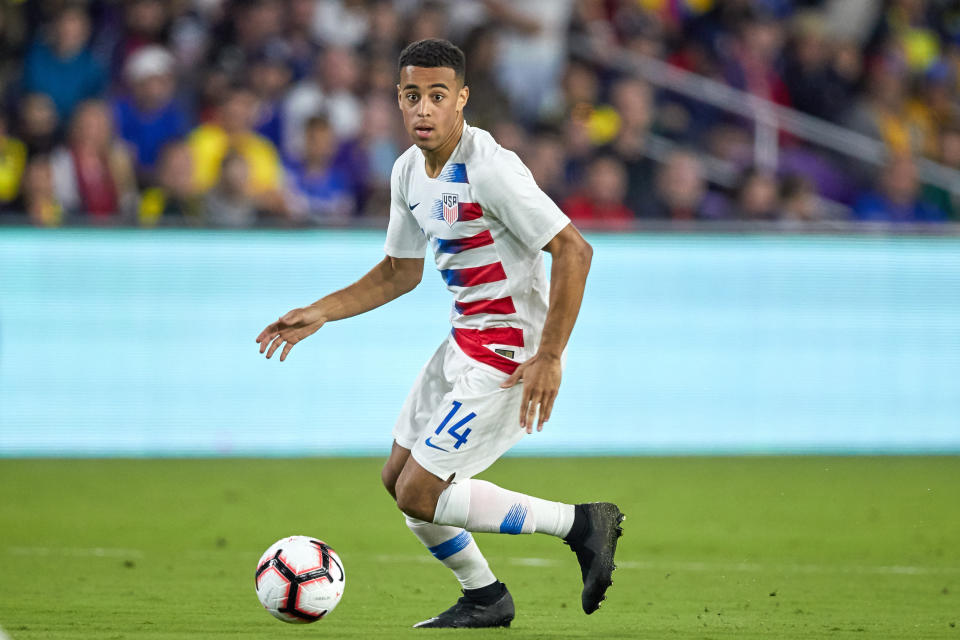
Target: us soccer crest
x: 451, y: 208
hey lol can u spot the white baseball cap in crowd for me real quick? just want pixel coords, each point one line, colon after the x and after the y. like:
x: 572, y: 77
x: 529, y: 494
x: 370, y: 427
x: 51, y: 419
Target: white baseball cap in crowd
x: 145, y: 62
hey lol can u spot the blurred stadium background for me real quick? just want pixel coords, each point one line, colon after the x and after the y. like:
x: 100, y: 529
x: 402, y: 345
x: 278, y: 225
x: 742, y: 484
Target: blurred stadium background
x: 771, y: 186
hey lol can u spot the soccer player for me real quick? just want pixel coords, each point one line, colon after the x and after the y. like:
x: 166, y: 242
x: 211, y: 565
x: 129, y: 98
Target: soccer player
x: 498, y: 372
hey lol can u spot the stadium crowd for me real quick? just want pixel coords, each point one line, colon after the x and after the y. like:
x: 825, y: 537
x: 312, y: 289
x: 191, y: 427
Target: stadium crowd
x: 234, y: 113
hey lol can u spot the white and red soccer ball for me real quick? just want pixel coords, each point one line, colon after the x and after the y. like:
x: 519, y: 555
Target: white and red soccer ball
x: 300, y: 579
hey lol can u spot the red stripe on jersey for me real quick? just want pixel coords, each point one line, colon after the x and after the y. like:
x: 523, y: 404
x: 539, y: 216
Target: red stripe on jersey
x: 473, y: 341
x: 500, y: 305
x: 472, y: 276
x: 469, y: 211
x: 456, y: 245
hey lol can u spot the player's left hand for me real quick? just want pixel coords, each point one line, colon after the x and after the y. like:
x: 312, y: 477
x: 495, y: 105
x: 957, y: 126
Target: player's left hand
x: 291, y: 328
x: 541, y: 381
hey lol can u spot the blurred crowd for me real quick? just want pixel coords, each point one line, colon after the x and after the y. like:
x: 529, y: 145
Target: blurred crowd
x: 235, y: 113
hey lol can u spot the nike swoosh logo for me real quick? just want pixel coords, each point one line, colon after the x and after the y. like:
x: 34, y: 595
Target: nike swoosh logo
x: 420, y: 624
x: 413, y: 206
x: 430, y: 444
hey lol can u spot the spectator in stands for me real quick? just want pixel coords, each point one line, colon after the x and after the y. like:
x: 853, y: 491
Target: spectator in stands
x: 811, y: 76
x: 600, y: 202
x: 270, y: 77
x: 580, y: 92
x: 752, y: 67
x: 174, y: 199
x: 510, y: 135
x: 317, y: 189
x: 302, y: 45
x: 251, y: 26
x: 381, y: 78
x: 39, y: 194
x: 633, y: 102
x: 680, y: 190
x: 144, y: 24
x: 386, y: 23
x: 149, y: 117
x: 38, y: 123
x: 13, y: 35
x: 546, y: 162
x: 60, y: 65
x: 938, y: 96
x: 799, y: 202
x: 896, y: 198
x: 191, y: 36
x: 214, y: 84
x: 757, y: 196
x: 341, y: 69
x: 488, y: 104
x: 368, y: 159
x: 888, y: 113
x: 13, y: 161
x: 578, y: 147
x: 230, y: 203
x: 948, y: 154
x: 341, y: 23
x: 331, y: 89
x: 340, y: 56
x: 533, y: 48
x: 430, y: 19
x: 906, y: 26
x: 93, y: 174
x: 232, y: 130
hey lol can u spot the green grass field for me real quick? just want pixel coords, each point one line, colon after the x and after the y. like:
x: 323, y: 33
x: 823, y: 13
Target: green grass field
x: 806, y: 547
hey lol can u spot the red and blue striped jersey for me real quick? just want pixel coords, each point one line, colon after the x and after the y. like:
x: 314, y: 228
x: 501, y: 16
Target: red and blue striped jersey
x: 487, y: 221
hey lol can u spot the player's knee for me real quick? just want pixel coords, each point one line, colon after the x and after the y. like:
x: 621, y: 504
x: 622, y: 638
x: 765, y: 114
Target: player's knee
x: 411, y: 500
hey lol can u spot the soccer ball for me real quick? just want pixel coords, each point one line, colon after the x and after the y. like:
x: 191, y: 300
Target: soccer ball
x: 300, y: 579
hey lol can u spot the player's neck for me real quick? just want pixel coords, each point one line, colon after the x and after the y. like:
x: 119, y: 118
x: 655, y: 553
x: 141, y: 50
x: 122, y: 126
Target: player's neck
x: 435, y: 159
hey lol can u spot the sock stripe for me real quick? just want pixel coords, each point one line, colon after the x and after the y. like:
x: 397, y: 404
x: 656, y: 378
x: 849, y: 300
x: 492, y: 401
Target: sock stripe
x: 457, y: 543
x: 513, y: 521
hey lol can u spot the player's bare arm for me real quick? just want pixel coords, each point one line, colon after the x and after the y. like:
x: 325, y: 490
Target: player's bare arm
x: 387, y: 281
x: 541, y: 374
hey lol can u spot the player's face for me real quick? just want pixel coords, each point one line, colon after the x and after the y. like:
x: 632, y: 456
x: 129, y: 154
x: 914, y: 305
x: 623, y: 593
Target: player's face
x: 432, y: 101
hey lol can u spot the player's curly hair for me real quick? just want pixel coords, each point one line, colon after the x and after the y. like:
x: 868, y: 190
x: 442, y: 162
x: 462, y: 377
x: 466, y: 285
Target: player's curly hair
x: 434, y: 52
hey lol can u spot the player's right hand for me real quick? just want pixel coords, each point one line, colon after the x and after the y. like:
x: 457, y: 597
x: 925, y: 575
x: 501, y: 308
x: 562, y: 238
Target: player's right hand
x: 290, y: 329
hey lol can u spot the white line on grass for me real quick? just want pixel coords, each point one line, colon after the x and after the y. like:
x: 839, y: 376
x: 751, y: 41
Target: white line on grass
x: 642, y: 565
x: 76, y: 552
x: 751, y: 567
x: 714, y: 567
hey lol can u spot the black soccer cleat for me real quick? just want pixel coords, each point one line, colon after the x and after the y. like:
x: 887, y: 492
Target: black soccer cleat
x: 595, y: 549
x: 469, y: 614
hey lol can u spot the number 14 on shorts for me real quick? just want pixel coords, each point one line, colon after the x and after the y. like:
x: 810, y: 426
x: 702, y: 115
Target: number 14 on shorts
x: 460, y: 437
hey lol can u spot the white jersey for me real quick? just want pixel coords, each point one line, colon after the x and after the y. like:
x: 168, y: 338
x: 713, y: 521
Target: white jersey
x: 487, y: 221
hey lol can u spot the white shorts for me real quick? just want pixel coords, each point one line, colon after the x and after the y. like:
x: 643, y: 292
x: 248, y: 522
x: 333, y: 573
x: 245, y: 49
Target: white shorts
x: 457, y: 420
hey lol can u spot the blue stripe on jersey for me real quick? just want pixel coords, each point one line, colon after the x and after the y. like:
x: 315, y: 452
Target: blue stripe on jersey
x: 452, y: 277
x: 456, y: 172
x: 513, y: 521
x: 436, y: 210
x: 455, y: 544
x: 456, y: 245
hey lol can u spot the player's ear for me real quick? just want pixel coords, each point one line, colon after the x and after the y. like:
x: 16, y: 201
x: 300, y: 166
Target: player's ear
x: 463, y: 97
x: 399, y: 97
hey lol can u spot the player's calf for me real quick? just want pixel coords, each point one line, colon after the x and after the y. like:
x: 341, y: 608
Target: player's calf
x: 393, y: 467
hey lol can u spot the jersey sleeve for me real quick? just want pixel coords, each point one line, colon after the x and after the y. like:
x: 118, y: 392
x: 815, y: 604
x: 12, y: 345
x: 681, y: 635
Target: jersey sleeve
x: 405, y: 239
x: 507, y: 190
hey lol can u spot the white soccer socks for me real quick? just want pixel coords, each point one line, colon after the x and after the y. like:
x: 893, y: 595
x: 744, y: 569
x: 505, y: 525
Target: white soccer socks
x: 478, y: 505
x: 456, y: 549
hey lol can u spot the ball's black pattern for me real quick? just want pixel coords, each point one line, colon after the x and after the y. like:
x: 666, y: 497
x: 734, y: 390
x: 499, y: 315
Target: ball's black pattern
x: 296, y: 580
